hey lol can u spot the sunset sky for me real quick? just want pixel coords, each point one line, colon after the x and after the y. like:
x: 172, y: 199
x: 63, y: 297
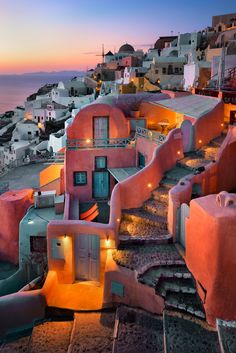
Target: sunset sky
x: 47, y: 35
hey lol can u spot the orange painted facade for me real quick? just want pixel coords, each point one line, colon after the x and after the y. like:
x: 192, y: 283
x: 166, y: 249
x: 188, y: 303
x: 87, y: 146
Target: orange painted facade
x: 13, y: 206
x: 210, y: 255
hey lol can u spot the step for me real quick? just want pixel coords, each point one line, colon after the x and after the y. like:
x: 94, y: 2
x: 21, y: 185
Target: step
x: 193, y: 162
x: 182, y: 334
x: 142, y: 230
x: 185, y: 302
x: 218, y: 141
x: 178, y: 285
x: 152, y: 276
x: 138, y: 331
x: 139, y: 215
x: 209, y: 152
x: 142, y: 258
x: 161, y: 194
x: 176, y: 173
x: 51, y: 336
x: 92, y: 332
x: 142, y: 240
x: 156, y: 207
x: 168, y: 183
x: 227, y: 335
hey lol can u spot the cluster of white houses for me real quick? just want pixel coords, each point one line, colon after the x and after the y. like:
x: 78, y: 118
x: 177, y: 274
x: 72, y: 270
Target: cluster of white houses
x: 177, y: 62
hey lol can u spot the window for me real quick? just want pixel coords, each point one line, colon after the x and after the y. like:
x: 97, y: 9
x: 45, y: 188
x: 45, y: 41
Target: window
x: 29, y: 133
x: 80, y: 178
x: 156, y: 71
x: 164, y: 70
x: 38, y: 244
x: 176, y: 70
x: 100, y: 163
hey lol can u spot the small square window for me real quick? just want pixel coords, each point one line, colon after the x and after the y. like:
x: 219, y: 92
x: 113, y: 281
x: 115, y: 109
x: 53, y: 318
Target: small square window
x: 80, y: 178
x: 100, y: 163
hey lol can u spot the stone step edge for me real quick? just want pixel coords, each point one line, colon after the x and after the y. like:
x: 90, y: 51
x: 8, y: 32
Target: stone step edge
x: 140, y: 219
x: 189, y: 310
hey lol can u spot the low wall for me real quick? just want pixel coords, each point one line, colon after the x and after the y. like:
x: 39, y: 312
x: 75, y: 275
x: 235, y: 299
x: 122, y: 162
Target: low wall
x: 137, y: 189
x: 19, y: 311
x: 135, y: 293
x: 13, y: 283
x: 217, y: 176
x: 209, y: 126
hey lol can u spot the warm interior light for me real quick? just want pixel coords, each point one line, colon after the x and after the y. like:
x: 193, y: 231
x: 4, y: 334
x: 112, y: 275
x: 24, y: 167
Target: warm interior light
x: 200, y: 141
x: 88, y: 140
x: 40, y: 125
x: 149, y: 185
x: 107, y: 241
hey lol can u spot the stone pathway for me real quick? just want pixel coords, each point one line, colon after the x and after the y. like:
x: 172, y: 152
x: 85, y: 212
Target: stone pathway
x: 51, y: 337
x: 138, y: 332
x: 92, y: 332
x: 182, y: 334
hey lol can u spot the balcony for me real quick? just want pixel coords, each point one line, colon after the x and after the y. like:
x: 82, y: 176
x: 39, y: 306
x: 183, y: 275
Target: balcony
x: 75, y: 144
x: 129, y: 142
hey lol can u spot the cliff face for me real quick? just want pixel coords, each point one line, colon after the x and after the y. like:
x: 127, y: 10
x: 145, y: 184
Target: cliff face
x: 13, y: 206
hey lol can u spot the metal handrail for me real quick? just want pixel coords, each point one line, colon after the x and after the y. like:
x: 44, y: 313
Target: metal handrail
x: 154, y: 136
x: 74, y: 144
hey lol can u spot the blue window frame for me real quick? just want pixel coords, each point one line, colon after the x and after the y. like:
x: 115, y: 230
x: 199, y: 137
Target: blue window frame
x: 80, y: 178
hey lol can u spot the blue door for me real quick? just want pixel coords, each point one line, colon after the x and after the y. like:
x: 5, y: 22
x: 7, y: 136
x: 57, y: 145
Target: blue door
x: 101, y: 185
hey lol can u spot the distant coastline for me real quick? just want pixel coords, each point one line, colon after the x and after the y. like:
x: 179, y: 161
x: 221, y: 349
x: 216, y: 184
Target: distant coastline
x: 15, y: 88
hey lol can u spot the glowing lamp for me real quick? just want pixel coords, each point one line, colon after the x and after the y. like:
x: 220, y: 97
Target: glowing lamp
x: 200, y: 141
x: 221, y: 124
x: 30, y: 221
x: 178, y: 152
x: 118, y: 220
x: 149, y: 185
x: 107, y: 241
x: 88, y: 140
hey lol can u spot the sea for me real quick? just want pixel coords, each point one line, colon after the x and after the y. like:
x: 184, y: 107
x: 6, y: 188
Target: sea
x: 14, y: 89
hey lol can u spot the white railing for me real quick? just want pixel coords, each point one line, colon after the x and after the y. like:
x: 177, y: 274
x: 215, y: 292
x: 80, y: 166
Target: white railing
x: 154, y: 136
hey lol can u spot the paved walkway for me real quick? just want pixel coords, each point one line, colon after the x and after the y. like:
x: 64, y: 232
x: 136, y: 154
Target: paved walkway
x: 92, y: 332
x: 24, y: 177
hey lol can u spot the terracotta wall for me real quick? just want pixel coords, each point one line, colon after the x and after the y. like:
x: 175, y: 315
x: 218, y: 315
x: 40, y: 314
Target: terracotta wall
x: 209, y: 126
x: 210, y: 255
x: 217, y: 177
x: 155, y: 113
x: 164, y: 158
x: 84, y: 160
x: 82, y: 126
x: 13, y: 206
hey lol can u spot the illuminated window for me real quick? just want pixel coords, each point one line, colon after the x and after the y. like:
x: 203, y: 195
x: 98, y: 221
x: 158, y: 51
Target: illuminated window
x: 80, y: 178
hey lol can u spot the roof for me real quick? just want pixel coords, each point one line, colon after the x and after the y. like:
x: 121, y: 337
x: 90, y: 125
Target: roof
x: 126, y: 48
x: 160, y: 43
x: 194, y: 106
x: 109, y: 53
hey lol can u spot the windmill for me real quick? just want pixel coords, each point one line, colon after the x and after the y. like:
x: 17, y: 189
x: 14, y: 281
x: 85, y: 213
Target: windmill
x: 102, y: 54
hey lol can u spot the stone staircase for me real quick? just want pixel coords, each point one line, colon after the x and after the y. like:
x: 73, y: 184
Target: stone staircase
x: 145, y: 245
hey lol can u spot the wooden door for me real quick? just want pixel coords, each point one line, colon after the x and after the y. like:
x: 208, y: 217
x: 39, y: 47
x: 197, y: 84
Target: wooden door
x: 87, y: 257
x: 100, y: 129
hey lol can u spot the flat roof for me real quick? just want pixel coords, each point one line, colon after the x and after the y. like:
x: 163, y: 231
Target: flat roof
x: 194, y: 106
x: 121, y: 174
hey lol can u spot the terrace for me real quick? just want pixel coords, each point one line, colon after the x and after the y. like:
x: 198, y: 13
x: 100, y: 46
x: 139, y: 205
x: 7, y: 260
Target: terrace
x: 76, y: 144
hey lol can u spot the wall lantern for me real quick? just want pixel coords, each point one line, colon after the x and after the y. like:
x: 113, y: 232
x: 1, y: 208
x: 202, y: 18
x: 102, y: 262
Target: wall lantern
x: 30, y: 221
x: 88, y: 140
x: 200, y: 141
x: 107, y: 241
x: 149, y: 185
